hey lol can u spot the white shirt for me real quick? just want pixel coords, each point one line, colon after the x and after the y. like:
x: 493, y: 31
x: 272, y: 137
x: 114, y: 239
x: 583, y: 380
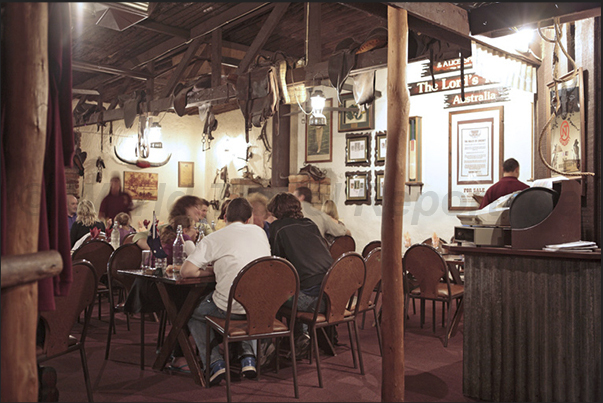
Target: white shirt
x: 322, y: 220
x: 230, y: 249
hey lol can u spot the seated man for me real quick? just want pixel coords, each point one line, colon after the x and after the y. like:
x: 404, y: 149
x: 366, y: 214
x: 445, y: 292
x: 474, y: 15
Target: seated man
x: 229, y: 249
x: 298, y: 239
x: 324, y: 222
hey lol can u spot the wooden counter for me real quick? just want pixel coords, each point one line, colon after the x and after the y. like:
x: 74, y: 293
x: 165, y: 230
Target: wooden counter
x: 532, y: 325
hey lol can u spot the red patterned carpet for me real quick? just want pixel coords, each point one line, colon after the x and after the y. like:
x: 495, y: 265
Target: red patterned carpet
x: 433, y: 373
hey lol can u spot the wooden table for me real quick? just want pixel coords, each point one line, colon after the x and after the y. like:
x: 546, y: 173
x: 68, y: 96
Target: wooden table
x: 455, y: 264
x: 199, y: 286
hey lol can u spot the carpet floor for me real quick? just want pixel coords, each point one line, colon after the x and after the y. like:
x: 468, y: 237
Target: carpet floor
x: 433, y: 373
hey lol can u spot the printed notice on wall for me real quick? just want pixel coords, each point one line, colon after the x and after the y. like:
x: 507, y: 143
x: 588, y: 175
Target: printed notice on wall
x: 475, y: 151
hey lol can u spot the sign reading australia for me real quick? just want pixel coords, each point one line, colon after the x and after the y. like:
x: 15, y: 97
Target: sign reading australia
x: 479, y: 97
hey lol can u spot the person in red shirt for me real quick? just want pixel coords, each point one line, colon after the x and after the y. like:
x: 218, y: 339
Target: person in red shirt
x: 507, y: 184
x: 117, y: 201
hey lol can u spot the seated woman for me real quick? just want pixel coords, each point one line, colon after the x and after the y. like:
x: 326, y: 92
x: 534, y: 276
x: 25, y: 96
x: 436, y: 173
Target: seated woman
x: 87, y: 219
x: 168, y: 235
x: 221, y: 223
x: 330, y: 208
x: 125, y: 228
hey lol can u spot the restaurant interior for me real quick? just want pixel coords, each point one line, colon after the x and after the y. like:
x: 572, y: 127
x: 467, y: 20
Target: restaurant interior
x: 375, y: 106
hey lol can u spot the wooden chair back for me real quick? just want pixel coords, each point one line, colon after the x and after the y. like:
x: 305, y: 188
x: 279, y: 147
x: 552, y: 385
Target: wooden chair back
x: 372, y: 281
x: 96, y: 252
x: 369, y: 247
x: 262, y: 287
x: 428, y: 268
x: 128, y: 239
x: 341, y: 245
x: 344, y: 279
x: 59, y: 323
x: 125, y: 257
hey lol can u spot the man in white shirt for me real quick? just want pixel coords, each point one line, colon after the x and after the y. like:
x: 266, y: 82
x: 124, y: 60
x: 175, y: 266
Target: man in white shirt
x: 325, y: 224
x: 229, y: 250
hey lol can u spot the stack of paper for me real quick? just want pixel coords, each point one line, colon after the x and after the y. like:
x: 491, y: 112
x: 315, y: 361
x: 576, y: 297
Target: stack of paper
x: 577, y: 246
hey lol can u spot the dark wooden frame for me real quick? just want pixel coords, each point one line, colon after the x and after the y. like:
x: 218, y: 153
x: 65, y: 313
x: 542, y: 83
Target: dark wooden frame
x: 351, y: 138
x: 453, y: 135
x: 565, y: 101
x: 366, y: 176
x: 379, y: 176
x: 311, y: 158
x: 345, y: 125
x: 380, y: 157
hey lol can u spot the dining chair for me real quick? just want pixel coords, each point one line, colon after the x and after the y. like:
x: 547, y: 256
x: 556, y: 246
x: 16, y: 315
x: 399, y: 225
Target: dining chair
x: 342, y: 282
x: 431, y: 272
x: 342, y: 244
x: 261, y: 287
x: 58, y: 324
x: 369, y: 247
x: 371, y: 290
x: 125, y: 257
x: 128, y: 239
x: 429, y: 241
x: 98, y: 253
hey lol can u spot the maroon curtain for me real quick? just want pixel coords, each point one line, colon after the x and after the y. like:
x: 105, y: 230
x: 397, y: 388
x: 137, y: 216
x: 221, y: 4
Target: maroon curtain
x: 60, y: 148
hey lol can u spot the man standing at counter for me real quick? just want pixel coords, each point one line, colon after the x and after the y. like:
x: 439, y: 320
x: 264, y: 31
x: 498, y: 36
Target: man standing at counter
x: 507, y: 184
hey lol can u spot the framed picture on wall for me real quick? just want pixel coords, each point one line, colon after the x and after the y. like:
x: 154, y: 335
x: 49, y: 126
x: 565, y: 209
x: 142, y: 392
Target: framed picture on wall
x: 379, y: 177
x: 355, y: 120
x: 380, y: 148
x: 141, y: 185
x: 357, y: 149
x: 357, y: 189
x: 413, y: 170
x: 567, y: 127
x: 186, y: 171
x: 475, y: 154
x: 319, y: 139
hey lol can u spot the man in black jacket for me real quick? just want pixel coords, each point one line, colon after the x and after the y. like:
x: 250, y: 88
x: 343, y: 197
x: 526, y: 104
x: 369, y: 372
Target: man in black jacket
x: 299, y: 240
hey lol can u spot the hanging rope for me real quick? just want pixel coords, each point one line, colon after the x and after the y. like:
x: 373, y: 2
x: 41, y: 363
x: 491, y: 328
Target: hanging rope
x: 555, y: 102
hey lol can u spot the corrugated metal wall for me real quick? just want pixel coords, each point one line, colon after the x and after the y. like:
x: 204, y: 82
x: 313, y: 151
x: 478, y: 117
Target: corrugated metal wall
x: 532, y: 329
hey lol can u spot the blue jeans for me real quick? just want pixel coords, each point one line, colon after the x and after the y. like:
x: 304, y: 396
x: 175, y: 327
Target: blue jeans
x: 305, y: 303
x: 198, y: 328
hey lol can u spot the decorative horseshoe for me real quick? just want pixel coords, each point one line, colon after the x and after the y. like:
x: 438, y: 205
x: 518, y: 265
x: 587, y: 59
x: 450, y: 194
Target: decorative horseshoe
x: 141, y: 163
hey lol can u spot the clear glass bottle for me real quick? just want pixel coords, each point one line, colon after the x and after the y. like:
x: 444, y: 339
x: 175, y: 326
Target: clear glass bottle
x: 115, y: 238
x: 178, y: 250
x: 213, y: 225
x: 200, y: 236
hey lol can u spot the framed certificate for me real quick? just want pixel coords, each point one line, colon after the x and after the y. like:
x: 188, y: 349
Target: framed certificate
x: 357, y: 149
x: 357, y: 188
x: 475, y: 154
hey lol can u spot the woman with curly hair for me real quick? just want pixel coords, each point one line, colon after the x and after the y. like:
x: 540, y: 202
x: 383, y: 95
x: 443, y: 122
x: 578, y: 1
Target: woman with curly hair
x: 87, y: 219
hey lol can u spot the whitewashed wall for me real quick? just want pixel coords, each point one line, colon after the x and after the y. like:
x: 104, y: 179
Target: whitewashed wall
x: 423, y: 215
x: 181, y: 137
x: 427, y: 213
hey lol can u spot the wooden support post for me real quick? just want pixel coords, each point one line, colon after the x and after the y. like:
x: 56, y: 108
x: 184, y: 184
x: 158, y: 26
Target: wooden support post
x: 25, y: 97
x: 281, y: 142
x: 392, y: 389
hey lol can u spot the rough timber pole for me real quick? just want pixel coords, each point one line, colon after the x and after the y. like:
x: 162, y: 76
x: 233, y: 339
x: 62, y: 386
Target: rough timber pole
x: 25, y: 94
x: 392, y: 388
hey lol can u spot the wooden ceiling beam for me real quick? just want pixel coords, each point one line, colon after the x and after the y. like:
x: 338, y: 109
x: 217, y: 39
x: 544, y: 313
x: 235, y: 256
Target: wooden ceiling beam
x: 99, y: 68
x: 260, y: 40
x: 176, y: 75
x: 499, y: 19
x: 151, y: 25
